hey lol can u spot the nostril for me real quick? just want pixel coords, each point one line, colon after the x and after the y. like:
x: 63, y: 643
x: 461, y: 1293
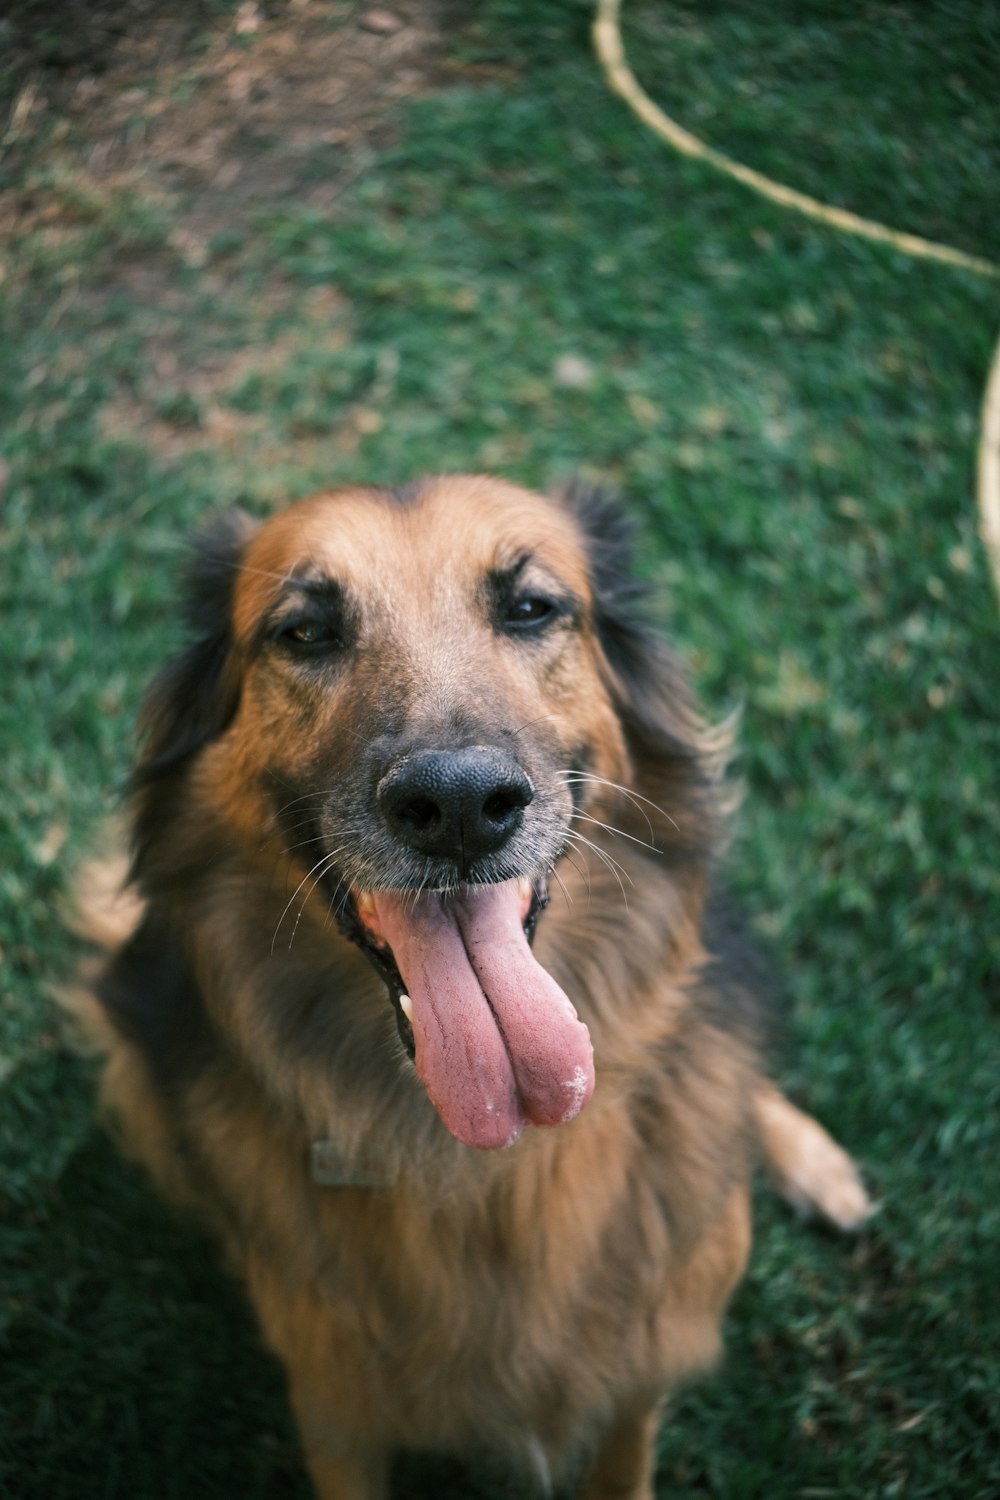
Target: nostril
x: 421, y: 813
x: 499, y: 807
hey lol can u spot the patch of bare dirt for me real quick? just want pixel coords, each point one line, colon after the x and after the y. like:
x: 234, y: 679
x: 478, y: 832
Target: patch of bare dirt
x: 200, y: 118
x: 234, y: 112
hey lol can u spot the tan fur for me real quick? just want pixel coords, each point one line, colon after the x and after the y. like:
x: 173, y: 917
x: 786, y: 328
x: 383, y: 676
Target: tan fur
x: 539, y: 1301
x: 808, y: 1168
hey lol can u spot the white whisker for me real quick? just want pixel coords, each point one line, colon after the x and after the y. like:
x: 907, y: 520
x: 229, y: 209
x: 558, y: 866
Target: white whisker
x: 616, y: 869
x: 321, y: 866
x: 562, y: 885
x: 618, y: 833
x: 615, y: 786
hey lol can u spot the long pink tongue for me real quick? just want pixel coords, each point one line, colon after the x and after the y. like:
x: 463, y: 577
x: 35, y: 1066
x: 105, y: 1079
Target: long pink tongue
x: 497, y: 1042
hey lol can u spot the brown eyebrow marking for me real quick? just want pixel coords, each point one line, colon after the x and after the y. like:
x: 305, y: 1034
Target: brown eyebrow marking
x: 501, y: 587
x: 507, y: 577
x: 325, y: 599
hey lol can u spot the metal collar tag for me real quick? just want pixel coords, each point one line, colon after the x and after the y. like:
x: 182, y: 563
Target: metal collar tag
x: 329, y: 1166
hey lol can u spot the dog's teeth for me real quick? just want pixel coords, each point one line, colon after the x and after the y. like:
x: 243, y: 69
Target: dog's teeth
x: 365, y: 903
x: 406, y: 1006
x: 524, y: 888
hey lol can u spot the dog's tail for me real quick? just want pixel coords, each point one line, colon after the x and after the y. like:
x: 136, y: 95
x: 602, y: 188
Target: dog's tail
x: 105, y: 911
x: 806, y: 1165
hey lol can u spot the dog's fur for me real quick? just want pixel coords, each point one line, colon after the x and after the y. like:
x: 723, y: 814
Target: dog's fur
x: 539, y: 1300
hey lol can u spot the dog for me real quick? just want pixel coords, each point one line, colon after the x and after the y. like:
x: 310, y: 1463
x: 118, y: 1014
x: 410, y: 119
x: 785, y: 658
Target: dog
x: 422, y: 993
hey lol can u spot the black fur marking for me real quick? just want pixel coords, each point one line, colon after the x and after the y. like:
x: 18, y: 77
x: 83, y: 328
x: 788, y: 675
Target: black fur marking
x: 151, y: 994
x: 408, y: 494
x: 610, y: 533
x: 743, y: 987
x: 652, y: 696
x: 195, y: 697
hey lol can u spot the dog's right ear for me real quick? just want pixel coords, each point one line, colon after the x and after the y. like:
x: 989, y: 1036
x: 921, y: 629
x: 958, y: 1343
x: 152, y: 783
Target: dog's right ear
x: 196, y: 696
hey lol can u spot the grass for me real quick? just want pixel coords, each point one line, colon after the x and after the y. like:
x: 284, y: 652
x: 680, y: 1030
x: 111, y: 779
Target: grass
x: 792, y: 415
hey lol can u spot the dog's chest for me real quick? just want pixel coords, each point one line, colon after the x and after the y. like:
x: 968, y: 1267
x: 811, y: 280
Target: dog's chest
x: 468, y: 1326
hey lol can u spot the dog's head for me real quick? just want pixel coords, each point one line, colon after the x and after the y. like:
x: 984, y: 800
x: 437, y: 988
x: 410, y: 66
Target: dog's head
x: 429, y: 692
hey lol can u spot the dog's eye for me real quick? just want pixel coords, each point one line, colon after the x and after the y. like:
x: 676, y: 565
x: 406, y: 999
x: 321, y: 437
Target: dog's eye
x: 530, y: 612
x: 311, y: 635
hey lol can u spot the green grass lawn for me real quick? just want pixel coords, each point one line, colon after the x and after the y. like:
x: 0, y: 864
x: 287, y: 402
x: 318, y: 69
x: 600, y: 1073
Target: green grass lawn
x: 792, y: 415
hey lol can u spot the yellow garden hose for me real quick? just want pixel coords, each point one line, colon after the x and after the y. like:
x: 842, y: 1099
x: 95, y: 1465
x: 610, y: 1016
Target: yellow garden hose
x: 611, y: 55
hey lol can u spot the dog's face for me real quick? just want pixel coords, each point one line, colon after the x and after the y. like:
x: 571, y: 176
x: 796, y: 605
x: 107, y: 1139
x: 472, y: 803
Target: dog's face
x: 423, y: 669
x: 414, y: 691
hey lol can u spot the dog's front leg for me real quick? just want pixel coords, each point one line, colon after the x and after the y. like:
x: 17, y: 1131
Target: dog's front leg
x: 623, y: 1467
x: 340, y: 1441
x: 339, y: 1470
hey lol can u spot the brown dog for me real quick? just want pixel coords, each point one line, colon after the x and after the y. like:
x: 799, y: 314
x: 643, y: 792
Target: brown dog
x: 484, y: 1194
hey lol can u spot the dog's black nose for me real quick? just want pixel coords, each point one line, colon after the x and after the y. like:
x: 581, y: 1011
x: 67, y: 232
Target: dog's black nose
x: 455, y: 804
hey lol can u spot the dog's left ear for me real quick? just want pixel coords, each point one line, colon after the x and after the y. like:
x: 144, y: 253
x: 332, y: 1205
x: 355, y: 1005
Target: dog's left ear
x: 648, y: 684
x: 664, y: 729
x: 196, y: 696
